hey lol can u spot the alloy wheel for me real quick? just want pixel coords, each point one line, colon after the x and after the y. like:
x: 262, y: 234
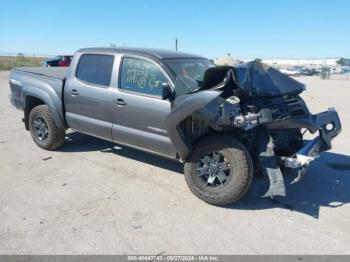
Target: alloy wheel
x: 41, y: 129
x: 214, y: 169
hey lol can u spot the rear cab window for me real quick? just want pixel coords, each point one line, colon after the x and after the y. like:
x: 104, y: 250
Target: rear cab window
x: 95, y: 69
x: 141, y: 76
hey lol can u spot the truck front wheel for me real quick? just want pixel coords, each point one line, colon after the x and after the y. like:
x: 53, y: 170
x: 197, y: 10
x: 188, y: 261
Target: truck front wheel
x: 219, y: 170
x: 43, y: 129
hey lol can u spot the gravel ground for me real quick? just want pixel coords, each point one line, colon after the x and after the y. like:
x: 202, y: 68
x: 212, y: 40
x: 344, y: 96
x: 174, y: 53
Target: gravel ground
x: 94, y: 198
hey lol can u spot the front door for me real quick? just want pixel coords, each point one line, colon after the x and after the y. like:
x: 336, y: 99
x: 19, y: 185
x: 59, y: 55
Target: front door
x: 140, y: 112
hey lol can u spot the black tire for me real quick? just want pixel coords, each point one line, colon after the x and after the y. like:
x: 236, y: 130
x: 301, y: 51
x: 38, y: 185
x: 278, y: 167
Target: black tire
x: 240, y: 170
x: 55, y: 136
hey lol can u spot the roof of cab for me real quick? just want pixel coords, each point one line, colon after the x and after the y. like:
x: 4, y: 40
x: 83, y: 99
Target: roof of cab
x: 150, y: 52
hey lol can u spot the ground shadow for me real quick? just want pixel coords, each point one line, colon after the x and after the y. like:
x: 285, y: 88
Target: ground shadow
x: 326, y: 183
x: 78, y: 142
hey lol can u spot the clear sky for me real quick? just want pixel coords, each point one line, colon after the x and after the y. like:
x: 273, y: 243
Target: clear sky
x: 246, y: 29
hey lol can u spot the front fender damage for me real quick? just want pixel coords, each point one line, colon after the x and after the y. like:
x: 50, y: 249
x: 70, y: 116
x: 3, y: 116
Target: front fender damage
x: 182, y: 108
x: 268, y: 121
x: 225, y: 115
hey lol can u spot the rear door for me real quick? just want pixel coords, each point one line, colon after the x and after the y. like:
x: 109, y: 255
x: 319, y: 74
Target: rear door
x: 140, y: 113
x: 88, y: 95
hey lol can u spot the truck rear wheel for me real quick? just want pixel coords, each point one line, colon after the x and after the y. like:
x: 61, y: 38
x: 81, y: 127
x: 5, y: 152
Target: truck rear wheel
x: 219, y: 170
x: 43, y: 129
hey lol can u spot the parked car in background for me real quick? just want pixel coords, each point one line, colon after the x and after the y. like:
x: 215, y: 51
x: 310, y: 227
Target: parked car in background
x: 305, y: 72
x: 316, y: 71
x: 60, y: 61
x: 308, y: 71
x: 290, y: 71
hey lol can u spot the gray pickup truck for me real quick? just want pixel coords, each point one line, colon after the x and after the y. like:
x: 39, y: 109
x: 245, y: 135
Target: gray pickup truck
x: 224, y: 123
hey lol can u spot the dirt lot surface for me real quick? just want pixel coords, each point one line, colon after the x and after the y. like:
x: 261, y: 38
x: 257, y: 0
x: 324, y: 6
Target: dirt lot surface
x: 94, y: 198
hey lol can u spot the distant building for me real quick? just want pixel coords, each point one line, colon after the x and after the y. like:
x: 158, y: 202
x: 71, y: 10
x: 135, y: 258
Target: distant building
x: 302, y: 62
x: 344, y: 62
x: 227, y: 60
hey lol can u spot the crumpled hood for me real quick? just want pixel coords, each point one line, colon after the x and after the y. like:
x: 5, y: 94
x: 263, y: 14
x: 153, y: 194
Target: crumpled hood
x: 250, y: 80
x: 257, y: 79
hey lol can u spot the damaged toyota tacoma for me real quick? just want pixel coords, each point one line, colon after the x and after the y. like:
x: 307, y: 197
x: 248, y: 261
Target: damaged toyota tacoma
x: 224, y: 123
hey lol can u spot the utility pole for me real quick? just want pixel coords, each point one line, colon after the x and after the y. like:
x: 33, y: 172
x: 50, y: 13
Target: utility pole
x: 175, y: 44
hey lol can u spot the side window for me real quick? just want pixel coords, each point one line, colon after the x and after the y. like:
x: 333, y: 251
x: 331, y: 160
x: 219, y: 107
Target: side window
x: 141, y: 76
x: 95, y: 69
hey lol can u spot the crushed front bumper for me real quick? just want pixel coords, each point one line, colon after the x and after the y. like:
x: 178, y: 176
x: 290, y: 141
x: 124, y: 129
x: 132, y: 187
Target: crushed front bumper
x: 326, y: 123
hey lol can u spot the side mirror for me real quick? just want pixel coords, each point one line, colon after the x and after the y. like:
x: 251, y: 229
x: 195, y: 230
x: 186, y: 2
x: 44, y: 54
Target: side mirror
x: 167, y: 92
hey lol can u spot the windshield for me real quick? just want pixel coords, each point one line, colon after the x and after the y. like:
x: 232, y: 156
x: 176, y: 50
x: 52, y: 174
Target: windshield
x: 189, y: 73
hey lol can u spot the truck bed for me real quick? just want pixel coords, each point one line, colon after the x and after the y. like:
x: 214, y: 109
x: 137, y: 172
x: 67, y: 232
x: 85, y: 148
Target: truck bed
x: 38, y: 80
x: 59, y: 73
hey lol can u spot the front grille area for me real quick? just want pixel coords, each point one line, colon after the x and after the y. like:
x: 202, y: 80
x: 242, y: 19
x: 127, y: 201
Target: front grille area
x: 281, y: 107
x: 288, y: 107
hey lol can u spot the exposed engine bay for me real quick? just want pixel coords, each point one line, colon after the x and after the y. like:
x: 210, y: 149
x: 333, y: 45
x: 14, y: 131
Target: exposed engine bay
x: 261, y: 107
